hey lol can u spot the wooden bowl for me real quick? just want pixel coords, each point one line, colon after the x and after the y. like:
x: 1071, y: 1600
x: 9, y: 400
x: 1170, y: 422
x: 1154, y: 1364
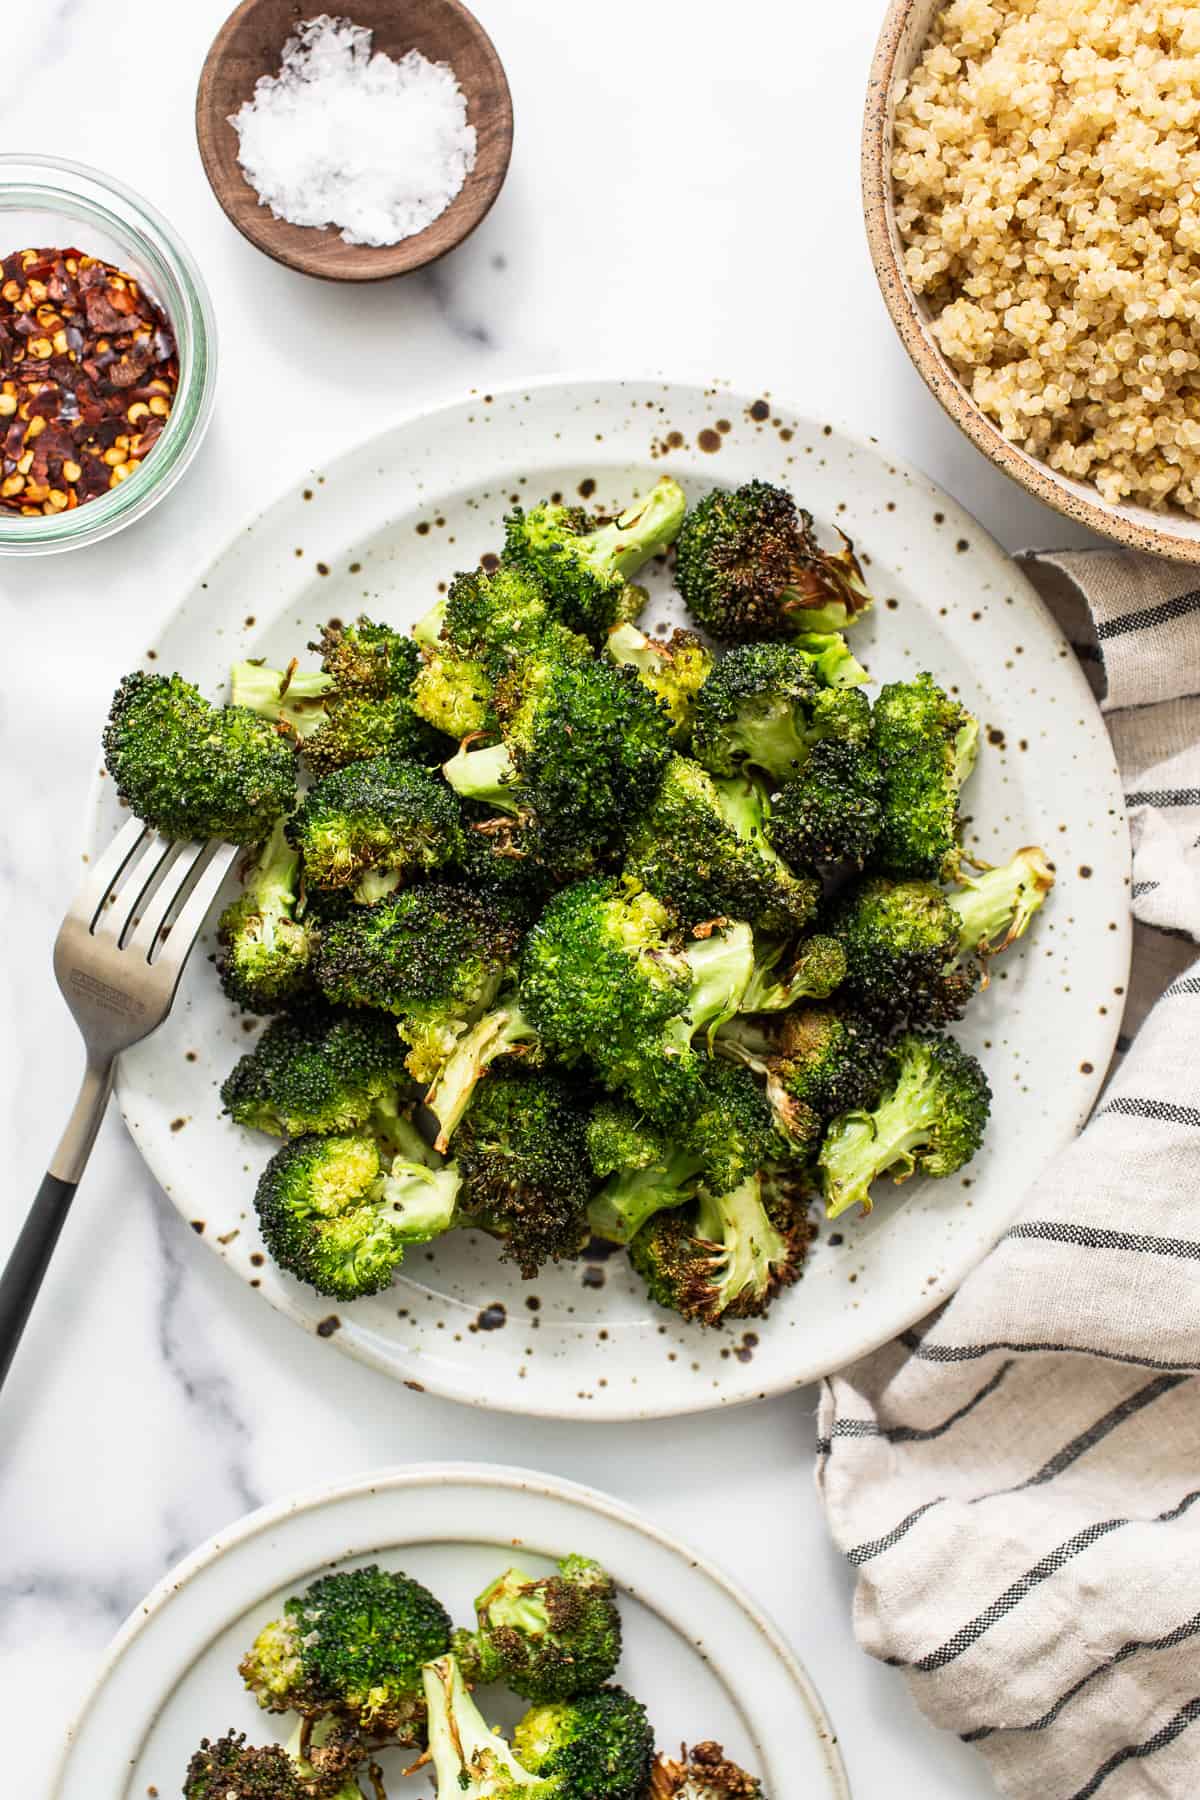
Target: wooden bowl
x: 250, y: 44
x: 1166, y: 533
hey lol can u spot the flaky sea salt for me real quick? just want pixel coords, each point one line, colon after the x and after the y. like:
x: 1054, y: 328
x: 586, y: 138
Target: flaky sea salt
x: 344, y: 137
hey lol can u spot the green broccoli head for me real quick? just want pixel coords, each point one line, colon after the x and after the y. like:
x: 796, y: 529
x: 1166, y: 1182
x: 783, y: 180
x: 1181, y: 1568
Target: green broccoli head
x: 504, y: 615
x: 353, y: 1645
x: 369, y: 707
x: 618, y: 1138
x: 749, y: 567
x: 375, y: 826
x: 319, y: 1763
x: 319, y: 1070
x: 734, y: 1133
x: 674, y: 669
x: 267, y: 954
x: 193, y: 770
x: 764, y: 706
x: 930, y: 1121
x: 582, y: 749
x: 434, y: 956
x: 812, y: 969
x: 521, y: 1150
x: 547, y: 1639
x: 603, y: 980
x: 831, y: 811
x: 725, y: 1256
x: 332, y: 1216
x: 470, y: 1761
x: 813, y: 1061
x: 925, y: 743
x: 600, y: 1743
x: 642, y: 1173
x: 585, y: 572
x: 704, y: 1773
x: 701, y: 847
x: 454, y: 693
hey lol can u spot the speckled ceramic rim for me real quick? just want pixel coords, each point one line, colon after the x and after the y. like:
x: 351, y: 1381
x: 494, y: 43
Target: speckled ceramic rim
x: 1136, y: 528
x: 502, y: 1484
x: 83, y: 197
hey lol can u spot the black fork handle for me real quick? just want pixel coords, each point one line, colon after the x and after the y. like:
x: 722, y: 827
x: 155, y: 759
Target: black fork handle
x: 30, y: 1258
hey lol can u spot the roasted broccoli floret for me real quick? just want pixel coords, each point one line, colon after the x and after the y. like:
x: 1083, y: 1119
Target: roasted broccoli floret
x: 504, y: 615
x: 453, y: 692
x: 702, y: 848
x: 358, y: 706
x: 318, y: 1070
x: 930, y: 1121
x: 598, y: 1744
x: 725, y: 1256
x: 353, y: 1646
x: 375, y: 826
x: 916, y: 952
x: 831, y: 811
x: 585, y: 571
x: 674, y: 669
x: 318, y: 1764
x: 470, y: 1761
x: 521, y: 1150
x: 547, y: 1638
x: 434, y: 956
x: 333, y: 1215
x: 749, y: 567
x: 813, y: 969
x: 266, y: 952
x: 763, y: 705
x: 926, y: 745
x: 603, y: 980
x: 833, y: 661
x: 582, y: 749
x: 194, y: 770
x: 815, y: 1062
x: 703, y: 1774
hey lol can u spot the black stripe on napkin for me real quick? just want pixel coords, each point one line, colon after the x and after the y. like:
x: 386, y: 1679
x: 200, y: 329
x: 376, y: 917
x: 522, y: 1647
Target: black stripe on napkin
x: 955, y: 1353
x: 1188, y: 984
x: 915, y: 1434
x: 1142, y: 887
x: 1163, y: 797
x: 1187, y: 1715
x: 1138, y: 1106
x: 1162, y: 614
x: 1101, y: 1237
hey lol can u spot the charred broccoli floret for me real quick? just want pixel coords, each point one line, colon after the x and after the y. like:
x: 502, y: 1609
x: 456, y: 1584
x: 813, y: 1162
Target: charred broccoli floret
x: 266, y: 952
x: 359, y: 706
x: 521, y: 1150
x: 814, y: 1062
x: 598, y: 1744
x: 374, y: 826
x: 926, y: 745
x: 930, y: 1121
x: 470, y: 1761
x: 319, y: 1070
x: 581, y: 753
x: 585, y: 570
x: 702, y: 847
x: 333, y: 1216
x: 434, y: 956
x: 749, y: 567
x: 353, y: 1646
x: 547, y: 1638
x: 602, y: 980
x: 317, y: 1765
x: 916, y: 952
x: 831, y: 811
x: 763, y: 705
x: 674, y: 669
x: 725, y: 1256
x: 814, y: 968
x: 194, y: 770
x: 703, y: 1774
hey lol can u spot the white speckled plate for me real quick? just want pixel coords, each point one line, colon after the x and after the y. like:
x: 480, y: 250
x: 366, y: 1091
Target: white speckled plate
x: 705, y: 1662
x: 379, y: 529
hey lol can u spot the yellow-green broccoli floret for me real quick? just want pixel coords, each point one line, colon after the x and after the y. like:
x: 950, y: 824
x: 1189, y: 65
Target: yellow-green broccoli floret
x: 547, y: 1638
x: 267, y: 953
x: 597, y: 1744
x: 375, y: 826
x: 674, y: 669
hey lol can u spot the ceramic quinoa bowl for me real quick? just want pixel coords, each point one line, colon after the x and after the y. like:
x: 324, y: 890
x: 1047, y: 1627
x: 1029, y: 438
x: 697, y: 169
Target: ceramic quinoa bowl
x: 1166, y: 529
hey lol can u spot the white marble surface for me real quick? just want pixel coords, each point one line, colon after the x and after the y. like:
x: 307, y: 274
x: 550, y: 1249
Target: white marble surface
x: 683, y: 197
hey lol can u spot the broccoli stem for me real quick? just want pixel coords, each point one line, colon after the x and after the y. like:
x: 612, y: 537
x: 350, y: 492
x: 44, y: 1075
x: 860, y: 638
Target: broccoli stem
x: 428, y: 628
x: 498, y: 1032
x: 966, y: 749
x: 647, y: 528
x: 833, y: 661
x: 624, y: 1203
x: 486, y: 775
x: 748, y: 1244
x: 996, y: 907
x: 633, y: 649
x: 819, y: 967
x: 860, y: 1147
x: 721, y: 967
x: 291, y: 696
x: 398, y: 1136
x: 467, y: 1757
x: 507, y: 1604
x: 272, y: 881
x: 425, y: 1199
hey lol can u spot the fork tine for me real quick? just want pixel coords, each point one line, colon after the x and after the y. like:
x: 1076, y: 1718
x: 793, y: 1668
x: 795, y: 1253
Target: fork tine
x: 145, y: 877
x: 177, y: 871
x: 187, y: 927
x: 97, y: 883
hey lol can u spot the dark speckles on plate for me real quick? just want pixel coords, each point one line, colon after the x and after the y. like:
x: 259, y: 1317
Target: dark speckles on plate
x: 329, y: 1325
x: 493, y: 1317
x: 709, y: 440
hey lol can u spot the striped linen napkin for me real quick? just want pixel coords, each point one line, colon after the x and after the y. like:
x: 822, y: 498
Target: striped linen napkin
x: 1017, y: 1481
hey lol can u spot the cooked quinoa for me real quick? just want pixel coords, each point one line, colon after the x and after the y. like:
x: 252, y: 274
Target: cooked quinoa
x: 1047, y: 171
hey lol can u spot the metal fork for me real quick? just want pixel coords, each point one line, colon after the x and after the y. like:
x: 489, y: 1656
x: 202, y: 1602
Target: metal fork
x: 118, y: 958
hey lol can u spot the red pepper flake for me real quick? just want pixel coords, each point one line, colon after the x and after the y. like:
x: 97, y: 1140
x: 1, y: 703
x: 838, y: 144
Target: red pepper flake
x: 88, y: 375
